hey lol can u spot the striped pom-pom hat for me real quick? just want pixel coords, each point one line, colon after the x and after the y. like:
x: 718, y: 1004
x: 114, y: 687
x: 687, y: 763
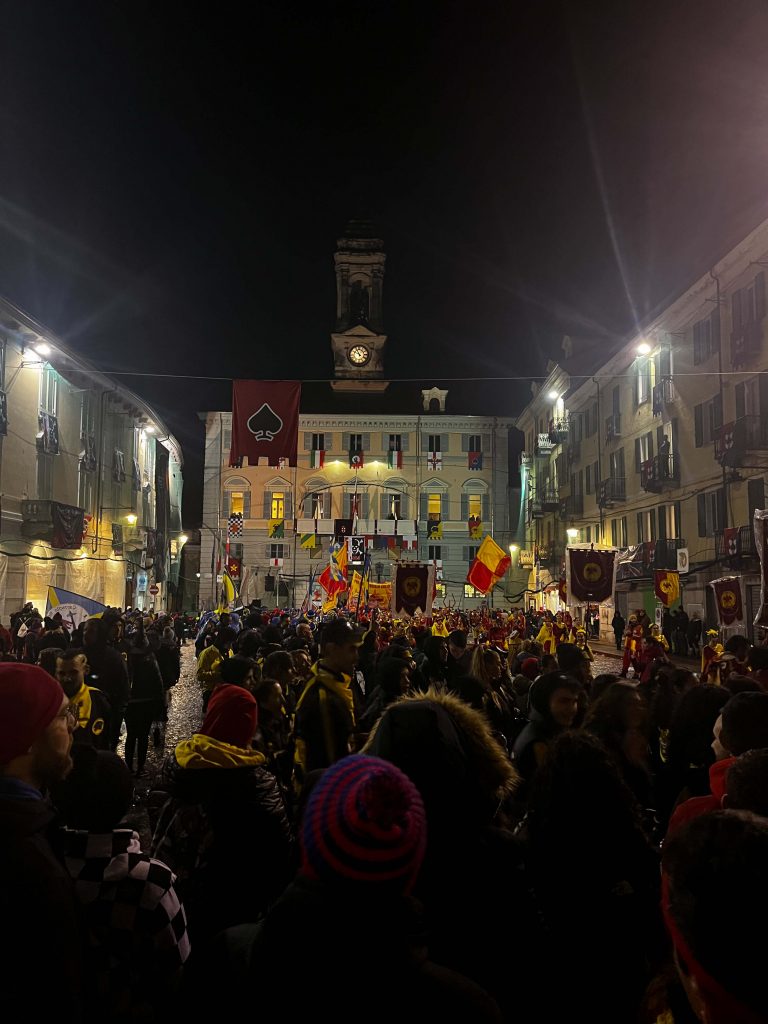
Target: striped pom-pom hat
x: 365, y: 823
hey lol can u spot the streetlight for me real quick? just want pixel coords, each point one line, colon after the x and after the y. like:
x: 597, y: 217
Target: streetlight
x: 572, y: 532
x: 183, y: 538
x: 131, y: 518
x: 643, y: 349
x: 554, y: 395
x: 42, y: 349
x: 512, y: 548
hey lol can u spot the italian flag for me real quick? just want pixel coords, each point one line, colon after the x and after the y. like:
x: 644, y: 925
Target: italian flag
x: 394, y: 460
x: 317, y: 460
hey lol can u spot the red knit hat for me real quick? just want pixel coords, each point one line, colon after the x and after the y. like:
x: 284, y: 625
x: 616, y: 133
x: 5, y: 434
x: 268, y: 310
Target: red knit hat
x: 232, y: 716
x: 530, y: 668
x: 30, y: 699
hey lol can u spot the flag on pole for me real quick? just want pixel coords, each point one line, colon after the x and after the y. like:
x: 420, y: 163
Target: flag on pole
x: 317, y: 459
x: 728, y: 599
x: 489, y: 565
x: 435, y: 461
x: 356, y: 459
x: 667, y: 586
x: 394, y: 460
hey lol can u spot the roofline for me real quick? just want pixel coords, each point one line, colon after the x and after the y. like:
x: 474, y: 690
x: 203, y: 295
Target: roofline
x: 27, y: 324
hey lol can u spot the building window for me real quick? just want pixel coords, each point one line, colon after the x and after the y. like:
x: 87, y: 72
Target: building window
x: 589, y: 534
x: 645, y: 380
x: 318, y: 443
x: 710, y: 508
x: 475, y: 443
x: 236, y: 503
x: 434, y: 443
x: 395, y: 503
x: 277, y: 507
x: 85, y: 490
x: 355, y: 442
x: 395, y: 443
x: 588, y: 481
x: 707, y: 420
x: 440, y: 590
x: 472, y: 553
x: 435, y: 506
x: 435, y: 552
x: 475, y: 504
x: 276, y: 550
x: 49, y: 390
x: 317, y: 506
x: 227, y: 441
x: 469, y: 591
x: 706, y: 338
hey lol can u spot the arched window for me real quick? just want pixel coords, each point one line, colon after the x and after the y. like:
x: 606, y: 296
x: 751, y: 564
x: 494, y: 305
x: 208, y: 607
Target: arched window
x: 317, y: 499
x: 236, y: 497
x: 277, y: 501
x: 434, y: 500
x: 475, y: 500
x: 393, y: 501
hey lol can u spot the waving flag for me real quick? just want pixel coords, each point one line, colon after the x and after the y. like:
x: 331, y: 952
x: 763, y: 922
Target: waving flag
x: 488, y: 566
x: 394, y: 460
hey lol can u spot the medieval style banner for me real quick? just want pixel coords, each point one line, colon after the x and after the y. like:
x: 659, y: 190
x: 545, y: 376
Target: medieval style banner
x: 265, y: 421
x: 590, y: 575
x: 666, y: 584
x: 761, y: 542
x: 413, y: 588
x: 728, y: 599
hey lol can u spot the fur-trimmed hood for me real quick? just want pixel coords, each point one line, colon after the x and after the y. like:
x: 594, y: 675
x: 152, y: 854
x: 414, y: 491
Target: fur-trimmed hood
x: 448, y: 750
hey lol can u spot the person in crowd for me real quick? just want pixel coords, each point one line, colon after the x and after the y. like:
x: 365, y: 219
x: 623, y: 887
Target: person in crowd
x: 302, y: 666
x: 210, y: 659
x: 619, y: 719
x: 459, y: 656
x: 146, y: 707
x: 739, y: 647
x: 715, y: 900
x: 579, y: 802
x: 618, y: 625
x: 432, y: 661
x: 601, y: 683
x: 108, y: 672
x: 758, y: 663
x: 553, y: 706
x: 136, y: 927
x: 273, y: 736
x: 693, y: 634
x: 89, y: 704
x: 521, y: 684
x: 746, y: 783
x: 279, y: 666
x: 324, y: 720
x: 472, y: 874
x: 741, y: 726
x: 663, y: 694
x: 37, y: 901
x: 223, y: 830
x: 168, y: 658
x: 180, y: 629
x: 363, y: 838
x: 239, y: 671
x: 498, y: 700
x: 392, y: 680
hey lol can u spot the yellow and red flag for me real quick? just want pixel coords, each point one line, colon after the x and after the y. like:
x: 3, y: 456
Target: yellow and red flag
x: 667, y: 586
x: 489, y: 565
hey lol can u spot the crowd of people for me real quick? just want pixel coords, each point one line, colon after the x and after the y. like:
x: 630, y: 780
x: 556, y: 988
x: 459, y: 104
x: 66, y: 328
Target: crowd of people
x: 382, y: 818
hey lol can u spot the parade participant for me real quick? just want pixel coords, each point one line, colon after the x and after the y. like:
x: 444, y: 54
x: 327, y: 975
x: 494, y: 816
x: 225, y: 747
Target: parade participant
x: 560, y: 630
x: 746, y: 784
x: 546, y: 634
x: 633, y: 636
x: 583, y: 644
x: 710, y: 652
x: 37, y: 901
x: 89, y: 704
x: 324, y: 720
x: 652, y: 651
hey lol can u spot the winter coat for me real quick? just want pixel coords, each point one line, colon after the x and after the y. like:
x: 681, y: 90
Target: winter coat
x: 147, y: 700
x: 169, y: 661
x: 470, y: 883
x: 323, y: 723
x: 41, y: 960
x: 387, y: 976
x: 713, y: 801
x: 224, y: 833
x: 108, y: 672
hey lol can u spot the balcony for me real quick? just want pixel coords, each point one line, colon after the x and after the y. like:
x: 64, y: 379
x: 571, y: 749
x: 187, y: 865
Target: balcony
x: 613, y: 427
x: 572, y: 506
x: 735, y: 439
x: 660, y: 472
x: 736, y: 547
x: 558, y: 430
x: 612, y: 490
x: 544, y: 445
x: 542, y: 502
x: 746, y: 341
x: 662, y: 554
x: 61, y: 525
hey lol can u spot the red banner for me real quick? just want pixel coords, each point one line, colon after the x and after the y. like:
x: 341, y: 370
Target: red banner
x: 591, y: 574
x: 728, y: 599
x: 265, y: 421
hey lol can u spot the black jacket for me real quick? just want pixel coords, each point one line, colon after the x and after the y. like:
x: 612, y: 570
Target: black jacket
x: 108, y: 672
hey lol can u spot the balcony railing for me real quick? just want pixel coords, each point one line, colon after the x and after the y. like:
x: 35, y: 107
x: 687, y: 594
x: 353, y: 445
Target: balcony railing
x: 558, y: 429
x: 746, y: 342
x: 659, y: 472
x: 613, y: 427
x: 612, y: 490
x: 746, y: 434
x: 736, y: 544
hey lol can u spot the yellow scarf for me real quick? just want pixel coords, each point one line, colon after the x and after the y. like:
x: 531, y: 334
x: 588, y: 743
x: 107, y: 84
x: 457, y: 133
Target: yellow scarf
x: 81, y: 705
x: 201, y: 751
x: 336, y: 682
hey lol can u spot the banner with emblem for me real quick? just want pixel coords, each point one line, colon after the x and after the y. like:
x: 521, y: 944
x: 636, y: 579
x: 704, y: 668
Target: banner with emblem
x: 761, y: 543
x: 475, y: 525
x: 265, y: 421
x: 728, y: 599
x: 590, y: 575
x: 731, y: 541
x: 666, y: 584
x: 412, y: 588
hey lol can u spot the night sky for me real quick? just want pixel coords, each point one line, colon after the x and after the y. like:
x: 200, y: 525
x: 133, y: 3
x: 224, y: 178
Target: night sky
x: 172, y: 185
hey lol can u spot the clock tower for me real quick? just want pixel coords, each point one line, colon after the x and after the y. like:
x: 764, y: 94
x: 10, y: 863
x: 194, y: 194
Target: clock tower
x: 358, y: 340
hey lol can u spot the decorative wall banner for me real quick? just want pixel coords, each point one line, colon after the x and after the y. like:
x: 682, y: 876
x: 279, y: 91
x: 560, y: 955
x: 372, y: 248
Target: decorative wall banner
x: 68, y: 525
x: 265, y: 421
x: 412, y: 588
x: 728, y: 599
x: 590, y: 575
x: 667, y: 586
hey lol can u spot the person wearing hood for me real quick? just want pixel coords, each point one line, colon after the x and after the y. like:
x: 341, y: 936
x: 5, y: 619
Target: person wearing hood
x: 470, y: 883
x: 89, y: 704
x: 107, y: 672
x: 223, y: 830
x: 553, y: 705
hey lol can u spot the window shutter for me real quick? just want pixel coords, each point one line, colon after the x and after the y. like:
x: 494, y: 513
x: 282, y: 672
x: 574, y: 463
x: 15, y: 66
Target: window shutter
x: 735, y: 322
x: 346, y: 506
x: 717, y: 404
x: 652, y: 524
x: 649, y: 438
x: 364, y: 503
x: 225, y: 505
x: 345, y: 441
x: 662, y: 522
x: 267, y: 504
x: 762, y: 391
x: 741, y: 402
x: 637, y: 455
x: 444, y: 443
x: 640, y: 537
x: 486, y: 438
x: 288, y: 506
x: 403, y: 506
x: 698, y: 431
x: 247, y: 505
x: 385, y: 442
x: 307, y: 441
x: 327, y: 505
x: 425, y: 442
x: 715, y: 330
x: 445, y: 506
x: 423, y: 506
x: 589, y: 479
x: 328, y: 441
x: 405, y: 442
x: 486, y: 509
x: 659, y: 437
x: 465, y: 507
x: 755, y: 495
x: 307, y: 507
x: 701, y: 514
x: 465, y: 442
x: 366, y: 442
x: 760, y: 295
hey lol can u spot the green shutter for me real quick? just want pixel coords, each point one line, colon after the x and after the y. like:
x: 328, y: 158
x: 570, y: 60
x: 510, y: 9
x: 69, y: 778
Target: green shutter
x: 247, y: 505
x: 465, y: 507
x: 423, y: 507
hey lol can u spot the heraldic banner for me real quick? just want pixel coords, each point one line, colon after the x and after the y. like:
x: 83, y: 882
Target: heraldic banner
x: 761, y: 542
x: 728, y: 599
x: 590, y: 575
x: 666, y: 584
x: 413, y: 588
x: 265, y: 421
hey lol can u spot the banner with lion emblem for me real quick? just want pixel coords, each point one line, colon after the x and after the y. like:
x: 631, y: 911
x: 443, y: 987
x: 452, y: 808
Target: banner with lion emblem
x: 728, y: 599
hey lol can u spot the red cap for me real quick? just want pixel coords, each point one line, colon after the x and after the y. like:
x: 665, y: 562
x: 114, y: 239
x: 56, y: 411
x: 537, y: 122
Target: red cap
x: 30, y: 699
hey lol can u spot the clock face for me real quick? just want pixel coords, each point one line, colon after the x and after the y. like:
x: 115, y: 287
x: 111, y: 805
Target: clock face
x: 359, y: 355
